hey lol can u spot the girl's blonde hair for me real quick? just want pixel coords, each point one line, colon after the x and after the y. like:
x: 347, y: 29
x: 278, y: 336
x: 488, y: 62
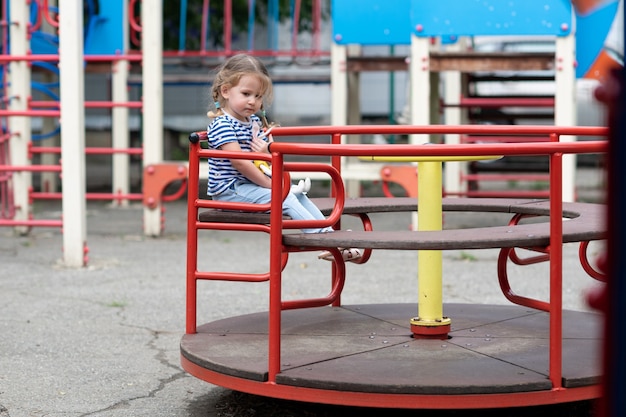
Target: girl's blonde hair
x: 229, y: 74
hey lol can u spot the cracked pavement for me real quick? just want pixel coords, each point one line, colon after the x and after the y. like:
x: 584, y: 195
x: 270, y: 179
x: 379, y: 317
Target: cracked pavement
x: 104, y: 340
x: 96, y: 341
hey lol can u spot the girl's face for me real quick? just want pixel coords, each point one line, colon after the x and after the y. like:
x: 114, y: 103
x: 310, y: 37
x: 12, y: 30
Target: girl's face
x: 245, y: 98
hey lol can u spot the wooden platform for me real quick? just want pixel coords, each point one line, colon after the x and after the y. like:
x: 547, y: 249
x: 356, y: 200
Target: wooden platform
x: 491, y: 349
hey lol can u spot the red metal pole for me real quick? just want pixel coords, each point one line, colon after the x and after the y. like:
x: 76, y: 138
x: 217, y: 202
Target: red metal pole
x: 37, y: 24
x: 192, y: 237
x: 275, y: 296
x: 506, y: 102
x: 30, y: 113
x: 31, y: 223
x: 442, y: 129
x: 204, y: 31
x: 317, y: 26
x: 112, y: 58
x: 134, y: 25
x: 30, y: 168
x: 89, y: 196
x: 131, y: 16
x: 228, y: 28
x: 295, y: 29
x: 55, y: 58
x: 483, y: 139
x: 112, y: 104
x: 46, y: 14
x: 556, y: 267
x: 336, y: 163
x: 256, y: 52
x: 89, y: 151
x: 92, y: 104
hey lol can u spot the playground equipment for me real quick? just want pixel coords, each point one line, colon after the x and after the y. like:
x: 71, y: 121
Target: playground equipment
x: 28, y: 41
x: 106, y: 48
x: 436, y: 32
x: 31, y: 51
x: 318, y: 350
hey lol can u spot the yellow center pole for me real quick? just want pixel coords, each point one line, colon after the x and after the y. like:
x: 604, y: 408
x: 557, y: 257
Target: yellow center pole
x: 430, y: 321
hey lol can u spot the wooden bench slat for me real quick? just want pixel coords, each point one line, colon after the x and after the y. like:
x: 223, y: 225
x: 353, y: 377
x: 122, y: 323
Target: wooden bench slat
x: 484, y: 205
x: 527, y: 235
x: 224, y: 216
x: 583, y: 222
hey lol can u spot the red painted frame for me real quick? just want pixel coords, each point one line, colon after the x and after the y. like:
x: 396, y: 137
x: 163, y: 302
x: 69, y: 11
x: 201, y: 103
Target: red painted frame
x: 278, y: 254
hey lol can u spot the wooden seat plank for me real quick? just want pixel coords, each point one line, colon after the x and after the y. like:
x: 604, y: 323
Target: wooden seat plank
x: 582, y: 222
x: 527, y: 235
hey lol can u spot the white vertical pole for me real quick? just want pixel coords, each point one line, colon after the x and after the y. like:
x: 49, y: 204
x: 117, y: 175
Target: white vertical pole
x: 452, y: 116
x: 419, y: 80
x: 338, y: 85
x: 340, y: 96
x: 419, y: 73
x: 72, y: 130
x: 565, y: 106
x: 120, y: 129
x: 20, y: 126
x: 353, y: 186
x: 152, y: 75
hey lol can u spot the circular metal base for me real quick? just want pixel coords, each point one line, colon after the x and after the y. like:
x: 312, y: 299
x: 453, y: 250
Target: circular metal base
x: 366, y: 355
x: 435, y: 330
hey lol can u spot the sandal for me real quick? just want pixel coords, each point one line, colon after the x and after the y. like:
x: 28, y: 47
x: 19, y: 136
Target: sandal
x: 348, y: 254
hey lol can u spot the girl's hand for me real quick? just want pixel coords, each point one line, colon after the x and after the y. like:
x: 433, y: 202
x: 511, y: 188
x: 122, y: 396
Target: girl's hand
x: 247, y: 167
x: 259, y: 145
x: 260, y: 139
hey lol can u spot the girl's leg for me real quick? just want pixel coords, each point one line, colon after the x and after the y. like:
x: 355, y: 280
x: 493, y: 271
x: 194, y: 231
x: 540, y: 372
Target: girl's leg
x: 309, y: 206
x: 299, y: 207
x: 246, y: 192
x: 251, y: 193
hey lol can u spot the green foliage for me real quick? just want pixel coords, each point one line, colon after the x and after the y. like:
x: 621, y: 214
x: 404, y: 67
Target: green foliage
x: 171, y: 20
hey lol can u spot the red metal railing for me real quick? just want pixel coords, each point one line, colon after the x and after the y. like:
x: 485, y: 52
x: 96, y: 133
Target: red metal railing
x: 555, y: 150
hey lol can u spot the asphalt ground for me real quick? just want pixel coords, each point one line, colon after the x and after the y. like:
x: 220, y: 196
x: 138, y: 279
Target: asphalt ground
x: 104, y: 340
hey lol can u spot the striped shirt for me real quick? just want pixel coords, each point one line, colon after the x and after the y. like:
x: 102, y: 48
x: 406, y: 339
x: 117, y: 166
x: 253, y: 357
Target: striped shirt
x: 222, y: 130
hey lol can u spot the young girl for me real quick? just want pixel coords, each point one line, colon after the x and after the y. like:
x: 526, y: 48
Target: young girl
x: 239, y: 90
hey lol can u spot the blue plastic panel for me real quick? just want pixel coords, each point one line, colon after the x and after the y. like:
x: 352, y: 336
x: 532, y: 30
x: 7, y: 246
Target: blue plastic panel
x: 490, y: 17
x: 592, y: 31
x: 371, y: 22
x: 104, y: 34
